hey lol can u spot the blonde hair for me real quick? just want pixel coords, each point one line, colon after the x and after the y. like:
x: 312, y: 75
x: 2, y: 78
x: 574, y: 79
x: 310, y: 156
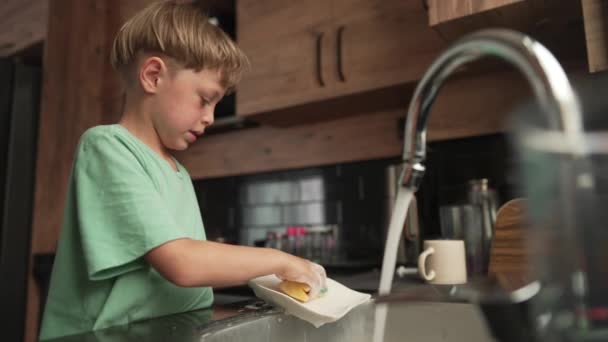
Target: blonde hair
x: 182, y: 32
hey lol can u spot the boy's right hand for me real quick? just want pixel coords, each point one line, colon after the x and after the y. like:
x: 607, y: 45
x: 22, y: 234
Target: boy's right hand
x: 304, y: 271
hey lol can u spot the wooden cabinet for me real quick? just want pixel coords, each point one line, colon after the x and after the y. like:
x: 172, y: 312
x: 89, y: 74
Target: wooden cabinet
x: 595, y: 14
x: 456, y: 18
x: 483, y: 103
x: 441, y: 11
x: 559, y: 25
x: 287, y: 44
x: 313, y: 50
x: 383, y: 43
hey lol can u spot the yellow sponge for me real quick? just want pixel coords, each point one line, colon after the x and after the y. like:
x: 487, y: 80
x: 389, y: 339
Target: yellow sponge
x: 298, y: 290
x: 295, y: 290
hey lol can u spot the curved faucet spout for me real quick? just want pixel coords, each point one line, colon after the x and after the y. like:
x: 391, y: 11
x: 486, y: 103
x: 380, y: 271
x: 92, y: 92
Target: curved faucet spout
x: 549, y: 83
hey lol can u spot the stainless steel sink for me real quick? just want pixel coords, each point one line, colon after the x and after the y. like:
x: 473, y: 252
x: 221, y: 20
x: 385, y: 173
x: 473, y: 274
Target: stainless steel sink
x: 416, y: 322
x: 419, y: 320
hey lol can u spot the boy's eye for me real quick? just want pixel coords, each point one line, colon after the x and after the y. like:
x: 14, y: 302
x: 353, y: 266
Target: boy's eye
x: 205, y: 102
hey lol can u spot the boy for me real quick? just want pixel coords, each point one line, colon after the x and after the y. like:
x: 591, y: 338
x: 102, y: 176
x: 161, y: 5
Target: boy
x: 132, y: 245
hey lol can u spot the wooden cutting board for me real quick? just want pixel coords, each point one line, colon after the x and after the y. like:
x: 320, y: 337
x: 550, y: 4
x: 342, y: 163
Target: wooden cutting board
x: 509, y: 259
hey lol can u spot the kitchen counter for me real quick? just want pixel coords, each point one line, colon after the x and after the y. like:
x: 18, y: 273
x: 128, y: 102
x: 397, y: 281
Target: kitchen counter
x: 240, y: 318
x: 231, y: 305
x: 185, y: 327
x: 255, y: 321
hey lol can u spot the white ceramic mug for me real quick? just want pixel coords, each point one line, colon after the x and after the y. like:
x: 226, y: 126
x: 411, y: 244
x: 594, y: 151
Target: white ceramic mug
x: 443, y: 262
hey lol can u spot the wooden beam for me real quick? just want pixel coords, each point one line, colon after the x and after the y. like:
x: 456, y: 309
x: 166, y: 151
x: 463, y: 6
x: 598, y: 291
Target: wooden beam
x: 22, y: 24
x: 465, y: 107
x: 595, y: 16
x: 80, y: 90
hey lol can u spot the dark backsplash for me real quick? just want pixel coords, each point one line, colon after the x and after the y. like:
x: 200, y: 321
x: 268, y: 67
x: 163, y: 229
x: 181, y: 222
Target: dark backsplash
x: 352, y: 196
x: 452, y: 163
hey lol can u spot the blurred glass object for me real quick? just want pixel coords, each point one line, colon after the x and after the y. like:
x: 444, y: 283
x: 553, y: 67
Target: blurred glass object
x: 568, y: 195
x: 465, y: 222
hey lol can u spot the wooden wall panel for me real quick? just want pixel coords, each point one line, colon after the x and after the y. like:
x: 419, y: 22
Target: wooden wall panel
x: 22, y: 24
x: 79, y: 90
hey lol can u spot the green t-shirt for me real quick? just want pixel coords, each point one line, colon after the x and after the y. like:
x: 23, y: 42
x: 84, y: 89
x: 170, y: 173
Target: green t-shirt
x: 123, y: 200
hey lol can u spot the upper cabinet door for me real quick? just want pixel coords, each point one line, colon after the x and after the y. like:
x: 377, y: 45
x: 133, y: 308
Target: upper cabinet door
x: 289, y: 49
x: 381, y: 43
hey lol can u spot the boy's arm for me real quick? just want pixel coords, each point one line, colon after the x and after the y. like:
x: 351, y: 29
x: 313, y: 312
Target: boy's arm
x: 192, y: 263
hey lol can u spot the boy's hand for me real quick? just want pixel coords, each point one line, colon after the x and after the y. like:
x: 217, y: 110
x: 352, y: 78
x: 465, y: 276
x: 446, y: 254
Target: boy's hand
x: 304, y: 271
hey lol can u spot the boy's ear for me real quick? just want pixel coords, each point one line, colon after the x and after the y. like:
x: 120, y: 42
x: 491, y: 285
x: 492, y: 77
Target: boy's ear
x: 151, y: 73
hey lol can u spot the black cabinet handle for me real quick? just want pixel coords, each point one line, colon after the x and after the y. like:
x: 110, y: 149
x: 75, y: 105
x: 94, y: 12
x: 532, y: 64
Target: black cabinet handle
x: 339, y: 54
x: 319, y: 60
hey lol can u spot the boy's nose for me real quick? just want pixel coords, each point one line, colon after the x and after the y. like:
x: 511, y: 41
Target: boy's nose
x: 208, y: 119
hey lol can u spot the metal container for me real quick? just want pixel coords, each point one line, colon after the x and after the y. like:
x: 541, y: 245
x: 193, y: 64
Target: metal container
x: 481, y: 195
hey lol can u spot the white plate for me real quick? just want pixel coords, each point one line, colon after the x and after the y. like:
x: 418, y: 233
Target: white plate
x: 337, y: 301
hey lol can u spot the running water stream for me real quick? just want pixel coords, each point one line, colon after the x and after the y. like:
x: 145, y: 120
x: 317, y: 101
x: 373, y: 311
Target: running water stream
x: 389, y: 262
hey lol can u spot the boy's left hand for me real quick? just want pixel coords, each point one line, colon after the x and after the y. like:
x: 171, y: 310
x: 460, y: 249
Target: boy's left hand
x: 305, y: 271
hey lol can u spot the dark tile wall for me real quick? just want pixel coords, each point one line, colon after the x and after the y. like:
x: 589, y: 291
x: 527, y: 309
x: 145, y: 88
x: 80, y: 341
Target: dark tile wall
x: 452, y: 163
x: 352, y: 196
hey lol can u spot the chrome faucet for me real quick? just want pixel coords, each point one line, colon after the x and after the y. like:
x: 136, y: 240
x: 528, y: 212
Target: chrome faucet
x: 548, y: 80
x: 557, y: 101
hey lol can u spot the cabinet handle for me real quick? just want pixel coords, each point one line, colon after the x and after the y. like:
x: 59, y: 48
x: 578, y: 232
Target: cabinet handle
x: 319, y: 47
x: 339, y: 54
x: 425, y: 5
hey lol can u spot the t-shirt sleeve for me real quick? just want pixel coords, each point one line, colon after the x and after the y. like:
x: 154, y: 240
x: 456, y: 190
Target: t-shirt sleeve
x: 121, y: 214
